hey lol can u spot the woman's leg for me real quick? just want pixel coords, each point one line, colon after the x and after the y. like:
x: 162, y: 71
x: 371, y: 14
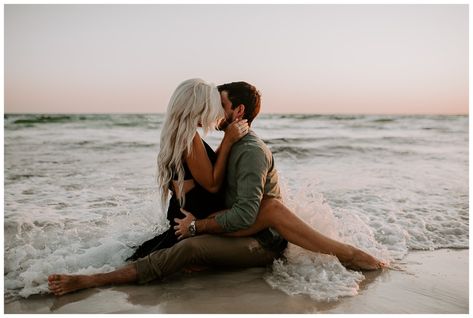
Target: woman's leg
x: 273, y: 213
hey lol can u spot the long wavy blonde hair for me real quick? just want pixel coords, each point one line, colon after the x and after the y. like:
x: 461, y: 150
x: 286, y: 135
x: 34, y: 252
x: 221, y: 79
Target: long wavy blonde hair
x: 194, y: 102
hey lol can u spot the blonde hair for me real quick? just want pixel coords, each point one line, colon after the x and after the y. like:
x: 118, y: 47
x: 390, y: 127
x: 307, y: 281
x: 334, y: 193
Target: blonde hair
x: 193, y: 102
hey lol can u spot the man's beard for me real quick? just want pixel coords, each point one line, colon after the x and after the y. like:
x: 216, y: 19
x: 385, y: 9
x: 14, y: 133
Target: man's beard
x: 224, y: 123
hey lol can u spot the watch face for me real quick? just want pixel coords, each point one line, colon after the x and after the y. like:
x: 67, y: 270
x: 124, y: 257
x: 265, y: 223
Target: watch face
x: 192, y: 228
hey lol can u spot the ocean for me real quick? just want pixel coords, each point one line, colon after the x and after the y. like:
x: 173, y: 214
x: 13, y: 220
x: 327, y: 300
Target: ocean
x: 80, y: 192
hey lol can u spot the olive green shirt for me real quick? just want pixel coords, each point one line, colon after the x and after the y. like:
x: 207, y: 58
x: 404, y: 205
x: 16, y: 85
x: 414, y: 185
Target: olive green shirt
x: 250, y: 175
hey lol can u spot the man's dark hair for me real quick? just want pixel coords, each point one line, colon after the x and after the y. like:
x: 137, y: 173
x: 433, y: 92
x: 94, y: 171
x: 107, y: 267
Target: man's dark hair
x: 243, y: 93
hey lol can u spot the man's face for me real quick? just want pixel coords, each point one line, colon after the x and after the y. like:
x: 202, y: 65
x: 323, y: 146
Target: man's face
x: 230, y: 114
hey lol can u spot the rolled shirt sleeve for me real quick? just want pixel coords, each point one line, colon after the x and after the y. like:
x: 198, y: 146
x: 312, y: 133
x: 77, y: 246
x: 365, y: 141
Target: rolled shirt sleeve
x: 251, y: 171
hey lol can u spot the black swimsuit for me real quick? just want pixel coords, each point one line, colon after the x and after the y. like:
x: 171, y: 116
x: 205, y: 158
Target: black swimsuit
x: 199, y: 202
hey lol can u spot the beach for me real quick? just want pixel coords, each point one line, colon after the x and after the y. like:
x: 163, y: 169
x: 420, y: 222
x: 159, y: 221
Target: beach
x: 431, y: 282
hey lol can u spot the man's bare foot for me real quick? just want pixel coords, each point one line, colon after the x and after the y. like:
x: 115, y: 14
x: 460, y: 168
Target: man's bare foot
x: 63, y: 284
x: 363, y: 261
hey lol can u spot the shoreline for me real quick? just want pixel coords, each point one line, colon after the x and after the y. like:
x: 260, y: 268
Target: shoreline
x: 430, y: 282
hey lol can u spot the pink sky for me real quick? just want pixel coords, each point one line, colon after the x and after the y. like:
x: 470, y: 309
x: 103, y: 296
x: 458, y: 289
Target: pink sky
x: 353, y: 59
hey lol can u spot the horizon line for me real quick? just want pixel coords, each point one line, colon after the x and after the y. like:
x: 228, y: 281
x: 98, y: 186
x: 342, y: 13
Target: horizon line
x: 276, y: 113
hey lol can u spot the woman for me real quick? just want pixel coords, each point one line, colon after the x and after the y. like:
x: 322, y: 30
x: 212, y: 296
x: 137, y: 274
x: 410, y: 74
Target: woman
x: 179, y: 138
x: 194, y: 173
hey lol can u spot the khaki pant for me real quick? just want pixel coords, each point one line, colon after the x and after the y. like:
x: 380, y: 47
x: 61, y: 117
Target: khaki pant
x: 209, y: 250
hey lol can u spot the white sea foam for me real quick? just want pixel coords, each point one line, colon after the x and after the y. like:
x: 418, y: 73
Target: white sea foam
x: 58, y: 245
x: 321, y: 276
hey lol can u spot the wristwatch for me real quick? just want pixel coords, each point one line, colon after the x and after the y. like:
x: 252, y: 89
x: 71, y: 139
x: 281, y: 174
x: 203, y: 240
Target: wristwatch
x: 192, y: 228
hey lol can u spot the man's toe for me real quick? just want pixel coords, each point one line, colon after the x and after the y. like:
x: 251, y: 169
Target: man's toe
x: 54, y: 277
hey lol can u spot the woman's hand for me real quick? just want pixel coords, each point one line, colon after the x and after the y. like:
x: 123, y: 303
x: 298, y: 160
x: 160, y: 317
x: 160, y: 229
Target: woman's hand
x: 236, y: 130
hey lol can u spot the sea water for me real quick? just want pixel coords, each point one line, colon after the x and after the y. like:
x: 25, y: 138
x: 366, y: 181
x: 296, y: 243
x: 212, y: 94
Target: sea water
x: 80, y: 192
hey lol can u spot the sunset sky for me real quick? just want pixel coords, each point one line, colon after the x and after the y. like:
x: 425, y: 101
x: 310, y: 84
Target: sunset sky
x: 343, y: 59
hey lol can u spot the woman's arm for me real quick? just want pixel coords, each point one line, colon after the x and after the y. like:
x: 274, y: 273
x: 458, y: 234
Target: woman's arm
x: 211, y: 176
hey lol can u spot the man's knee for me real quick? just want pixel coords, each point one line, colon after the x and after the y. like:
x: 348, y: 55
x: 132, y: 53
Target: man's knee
x: 191, y: 247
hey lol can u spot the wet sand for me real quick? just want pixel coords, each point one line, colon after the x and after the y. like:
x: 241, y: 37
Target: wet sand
x: 430, y: 283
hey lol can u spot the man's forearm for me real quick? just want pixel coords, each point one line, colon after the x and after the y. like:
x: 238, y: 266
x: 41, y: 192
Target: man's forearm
x: 208, y: 226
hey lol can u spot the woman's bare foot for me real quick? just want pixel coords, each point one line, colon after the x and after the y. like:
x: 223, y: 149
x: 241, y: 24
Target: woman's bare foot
x: 363, y: 261
x: 63, y: 284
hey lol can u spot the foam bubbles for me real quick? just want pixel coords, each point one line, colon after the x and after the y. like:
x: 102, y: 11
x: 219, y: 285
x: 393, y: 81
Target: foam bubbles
x: 322, y: 277
x: 319, y: 276
x: 76, y: 246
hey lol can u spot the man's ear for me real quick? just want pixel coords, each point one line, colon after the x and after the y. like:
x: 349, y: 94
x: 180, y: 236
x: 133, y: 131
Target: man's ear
x: 240, y: 111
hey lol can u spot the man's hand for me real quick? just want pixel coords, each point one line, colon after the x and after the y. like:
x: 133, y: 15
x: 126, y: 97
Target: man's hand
x: 182, y: 227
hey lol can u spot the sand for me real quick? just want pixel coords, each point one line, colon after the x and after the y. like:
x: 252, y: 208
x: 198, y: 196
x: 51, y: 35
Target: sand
x: 432, y: 282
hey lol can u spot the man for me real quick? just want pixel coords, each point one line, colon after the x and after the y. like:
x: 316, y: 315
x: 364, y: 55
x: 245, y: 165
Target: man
x: 250, y: 174
x: 250, y: 177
